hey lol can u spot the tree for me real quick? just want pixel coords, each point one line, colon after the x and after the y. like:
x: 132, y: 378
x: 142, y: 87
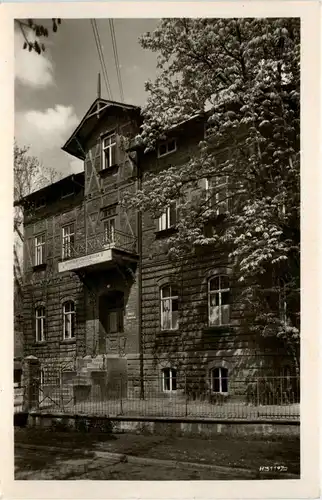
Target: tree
x: 34, y: 33
x: 29, y: 175
x: 244, y: 76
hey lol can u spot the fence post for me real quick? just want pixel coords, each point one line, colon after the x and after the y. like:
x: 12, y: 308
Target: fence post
x: 186, y: 393
x: 31, y: 382
x: 121, y: 395
x: 257, y: 399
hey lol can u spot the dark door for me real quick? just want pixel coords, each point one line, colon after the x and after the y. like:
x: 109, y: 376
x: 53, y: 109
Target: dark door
x: 111, y: 316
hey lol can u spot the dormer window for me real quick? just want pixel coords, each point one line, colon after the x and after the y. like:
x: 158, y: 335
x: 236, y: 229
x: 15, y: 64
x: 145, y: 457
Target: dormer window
x: 109, y: 151
x: 167, y: 147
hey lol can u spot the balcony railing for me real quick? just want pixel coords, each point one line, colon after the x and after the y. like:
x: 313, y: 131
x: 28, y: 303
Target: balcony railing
x: 98, y: 243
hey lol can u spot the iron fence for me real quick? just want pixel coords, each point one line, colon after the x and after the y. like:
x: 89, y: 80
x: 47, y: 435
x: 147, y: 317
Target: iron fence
x: 256, y: 398
x: 98, y: 242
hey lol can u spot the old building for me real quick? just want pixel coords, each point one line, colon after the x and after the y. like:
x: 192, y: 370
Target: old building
x: 102, y: 300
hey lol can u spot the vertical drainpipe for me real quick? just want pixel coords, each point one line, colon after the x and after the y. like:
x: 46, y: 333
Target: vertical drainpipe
x: 139, y: 233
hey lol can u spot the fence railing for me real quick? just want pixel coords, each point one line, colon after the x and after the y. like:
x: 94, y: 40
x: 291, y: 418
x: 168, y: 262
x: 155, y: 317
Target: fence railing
x: 98, y: 242
x: 257, y: 398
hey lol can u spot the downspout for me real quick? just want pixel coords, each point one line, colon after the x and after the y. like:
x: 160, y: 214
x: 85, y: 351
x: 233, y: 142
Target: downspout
x: 139, y: 233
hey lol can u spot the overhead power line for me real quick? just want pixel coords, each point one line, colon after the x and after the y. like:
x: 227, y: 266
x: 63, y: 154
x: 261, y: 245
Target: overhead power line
x: 101, y: 58
x: 116, y: 59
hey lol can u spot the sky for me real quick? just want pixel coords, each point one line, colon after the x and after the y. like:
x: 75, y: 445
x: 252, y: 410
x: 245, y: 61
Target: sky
x: 54, y: 90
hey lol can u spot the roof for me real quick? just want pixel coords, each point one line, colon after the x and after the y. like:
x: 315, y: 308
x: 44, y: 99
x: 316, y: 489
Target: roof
x: 76, y: 178
x: 99, y: 107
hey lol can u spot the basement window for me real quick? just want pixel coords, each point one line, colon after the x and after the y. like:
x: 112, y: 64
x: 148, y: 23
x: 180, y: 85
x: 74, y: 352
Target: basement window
x: 169, y: 379
x: 219, y: 380
x: 167, y: 147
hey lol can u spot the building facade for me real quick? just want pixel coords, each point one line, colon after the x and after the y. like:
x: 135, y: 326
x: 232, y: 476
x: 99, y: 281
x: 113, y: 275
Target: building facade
x: 102, y: 299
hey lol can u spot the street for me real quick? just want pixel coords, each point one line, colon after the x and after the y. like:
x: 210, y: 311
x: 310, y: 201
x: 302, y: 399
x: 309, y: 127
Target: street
x: 52, y: 455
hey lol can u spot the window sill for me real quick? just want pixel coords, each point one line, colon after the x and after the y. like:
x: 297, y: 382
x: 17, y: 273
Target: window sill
x: 68, y: 341
x: 174, y: 330
x: 109, y: 170
x: 39, y: 267
x: 40, y: 343
x: 219, y: 328
x: 163, y: 233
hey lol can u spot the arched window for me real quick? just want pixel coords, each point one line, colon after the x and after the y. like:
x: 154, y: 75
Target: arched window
x: 169, y: 308
x: 68, y: 320
x: 40, y: 317
x: 218, y: 301
x: 169, y: 379
x: 219, y: 380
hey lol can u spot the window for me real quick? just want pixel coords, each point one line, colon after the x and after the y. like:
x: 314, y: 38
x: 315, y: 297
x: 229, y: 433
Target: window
x: 169, y: 218
x: 40, y: 249
x: 109, y: 151
x: 217, y: 193
x: 219, y: 380
x: 169, y: 308
x: 218, y: 301
x: 169, y: 379
x: 68, y: 320
x: 167, y: 147
x: 109, y: 231
x: 40, y: 323
x: 17, y: 377
x: 68, y: 241
x: 67, y: 190
x: 42, y: 376
x: 40, y: 203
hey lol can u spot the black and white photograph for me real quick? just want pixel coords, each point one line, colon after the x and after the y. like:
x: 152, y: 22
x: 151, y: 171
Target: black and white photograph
x: 157, y: 248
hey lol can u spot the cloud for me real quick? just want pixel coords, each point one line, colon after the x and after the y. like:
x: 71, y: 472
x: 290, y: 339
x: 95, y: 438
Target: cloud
x: 32, y: 69
x: 45, y: 130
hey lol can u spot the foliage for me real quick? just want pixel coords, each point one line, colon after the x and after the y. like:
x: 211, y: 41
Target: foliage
x: 243, y: 77
x: 34, y: 33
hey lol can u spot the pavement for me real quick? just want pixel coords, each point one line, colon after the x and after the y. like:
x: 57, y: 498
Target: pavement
x: 51, y: 455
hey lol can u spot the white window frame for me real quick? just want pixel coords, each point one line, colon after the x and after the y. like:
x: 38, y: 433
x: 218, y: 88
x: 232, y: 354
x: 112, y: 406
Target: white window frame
x: 218, y: 292
x: 164, y: 221
x: 220, y: 379
x: 107, y: 149
x: 172, y: 372
x: 40, y: 318
x: 40, y: 245
x: 68, y: 320
x: 213, y: 185
x: 170, y: 300
x: 67, y: 237
x: 166, y: 143
x: 109, y: 230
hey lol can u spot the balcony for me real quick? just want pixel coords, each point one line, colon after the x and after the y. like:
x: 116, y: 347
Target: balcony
x: 98, y: 252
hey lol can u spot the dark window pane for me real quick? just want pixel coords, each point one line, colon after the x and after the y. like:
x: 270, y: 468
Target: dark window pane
x: 162, y: 149
x: 224, y: 384
x: 171, y: 145
x: 215, y: 383
x: 224, y: 282
x: 113, y: 155
x: 174, y: 380
x: 174, y: 304
x: 214, y: 283
x: 225, y: 297
x: 165, y: 292
x: 173, y: 215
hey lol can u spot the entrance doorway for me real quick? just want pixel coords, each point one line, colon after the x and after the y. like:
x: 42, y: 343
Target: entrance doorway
x: 111, y: 317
